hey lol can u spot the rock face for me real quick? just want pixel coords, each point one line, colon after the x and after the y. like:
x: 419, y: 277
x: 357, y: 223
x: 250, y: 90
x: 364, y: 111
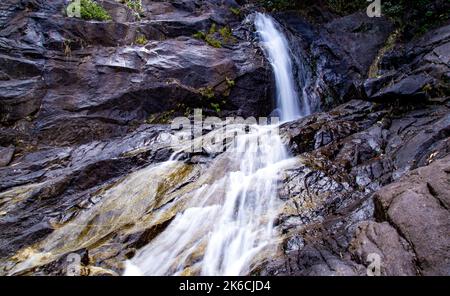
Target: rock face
x: 416, y: 71
x: 84, y: 107
x: 339, y: 206
x: 6, y: 155
x: 70, y: 81
x: 333, y: 58
x: 418, y: 206
x: 396, y: 257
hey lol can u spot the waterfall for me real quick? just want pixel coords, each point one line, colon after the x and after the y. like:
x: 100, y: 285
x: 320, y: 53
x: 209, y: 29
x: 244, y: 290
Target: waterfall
x: 276, y: 48
x: 229, y: 220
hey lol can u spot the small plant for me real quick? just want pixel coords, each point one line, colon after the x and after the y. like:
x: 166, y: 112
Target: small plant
x: 236, y: 11
x: 216, y: 107
x: 135, y: 5
x: 141, y: 40
x: 207, y: 92
x: 90, y: 10
x: 213, y: 29
x: 230, y: 82
x: 200, y: 35
x: 226, y: 34
x: 210, y: 37
x: 213, y: 42
x: 427, y: 88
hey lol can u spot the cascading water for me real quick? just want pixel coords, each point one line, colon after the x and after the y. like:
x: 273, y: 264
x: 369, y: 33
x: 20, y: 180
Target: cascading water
x: 229, y: 221
x: 277, y: 50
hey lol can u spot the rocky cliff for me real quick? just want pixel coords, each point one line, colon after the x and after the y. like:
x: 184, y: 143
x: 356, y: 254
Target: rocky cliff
x: 84, y: 105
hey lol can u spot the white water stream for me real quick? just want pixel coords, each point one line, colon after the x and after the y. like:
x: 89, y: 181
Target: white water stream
x: 277, y: 51
x: 229, y: 221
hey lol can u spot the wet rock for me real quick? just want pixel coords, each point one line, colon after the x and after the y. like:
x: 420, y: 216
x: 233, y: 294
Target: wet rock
x: 345, y: 156
x: 6, y: 155
x: 396, y: 257
x: 98, y: 83
x: 414, y: 71
x: 411, y: 87
x: 75, y: 95
x: 335, y: 57
x: 417, y: 205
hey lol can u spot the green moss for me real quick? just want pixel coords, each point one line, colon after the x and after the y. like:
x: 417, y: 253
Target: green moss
x: 230, y: 82
x: 207, y: 92
x: 213, y: 42
x: 90, y: 10
x: 141, y: 40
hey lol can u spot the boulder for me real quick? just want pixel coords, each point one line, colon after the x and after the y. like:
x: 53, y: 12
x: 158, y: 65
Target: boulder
x: 396, y: 257
x: 417, y: 205
x: 6, y: 155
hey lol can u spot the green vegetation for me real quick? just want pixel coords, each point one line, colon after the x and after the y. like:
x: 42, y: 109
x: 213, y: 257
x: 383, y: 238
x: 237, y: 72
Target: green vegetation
x: 236, y: 11
x: 141, y: 40
x: 91, y: 10
x: 216, y: 107
x: 208, y: 38
x: 230, y: 82
x: 416, y: 17
x: 135, y: 5
x: 212, y: 41
x: 199, y: 35
x: 278, y: 4
x: 207, y: 92
x: 213, y: 29
x: 227, y: 35
x: 215, y: 37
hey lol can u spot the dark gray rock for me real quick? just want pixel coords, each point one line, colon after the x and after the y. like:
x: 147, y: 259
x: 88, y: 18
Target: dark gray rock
x: 335, y: 57
x: 414, y: 71
x: 6, y: 155
x: 77, y: 81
